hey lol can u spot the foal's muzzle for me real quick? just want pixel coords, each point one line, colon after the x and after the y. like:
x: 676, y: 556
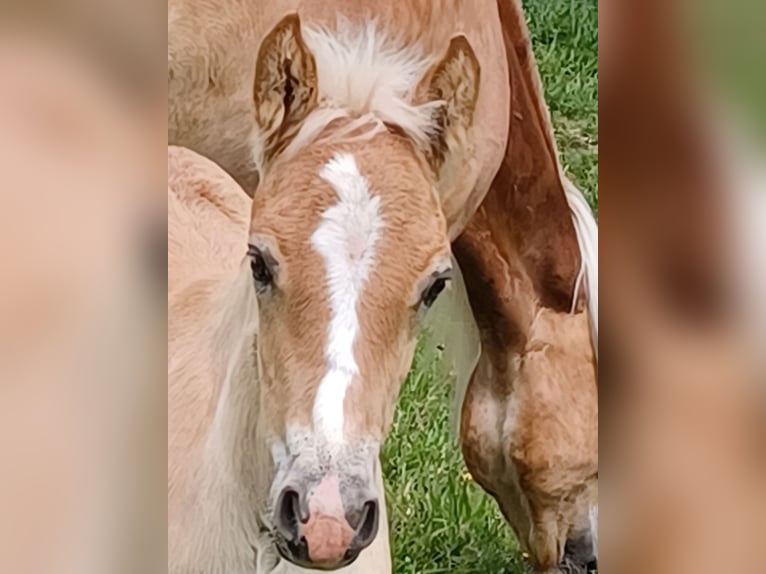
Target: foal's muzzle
x: 319, y: 529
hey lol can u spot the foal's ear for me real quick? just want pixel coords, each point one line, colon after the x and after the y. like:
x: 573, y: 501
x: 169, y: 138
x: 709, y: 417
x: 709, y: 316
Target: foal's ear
x: 285, y: 89
x: 455, y: 82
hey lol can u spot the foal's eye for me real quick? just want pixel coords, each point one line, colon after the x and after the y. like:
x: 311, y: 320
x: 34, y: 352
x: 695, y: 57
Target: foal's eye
x: 433, y: 290
x: 262, y: 274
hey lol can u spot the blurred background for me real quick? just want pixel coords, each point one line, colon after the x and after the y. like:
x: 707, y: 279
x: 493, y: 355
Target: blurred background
x: 82, y: 288
x: 681, y: 129
x: 681, y: 113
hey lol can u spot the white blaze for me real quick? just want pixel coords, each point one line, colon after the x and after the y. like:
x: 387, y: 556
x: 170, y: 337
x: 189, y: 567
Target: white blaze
x: 346, y: 240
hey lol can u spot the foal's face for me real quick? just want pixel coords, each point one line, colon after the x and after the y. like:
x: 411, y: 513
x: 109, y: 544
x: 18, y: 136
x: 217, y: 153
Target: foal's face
x: 348, y: 249
x: 349, y: 246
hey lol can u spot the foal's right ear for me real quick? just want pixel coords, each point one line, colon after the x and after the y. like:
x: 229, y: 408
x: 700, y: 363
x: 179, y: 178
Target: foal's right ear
x: 285, y: 89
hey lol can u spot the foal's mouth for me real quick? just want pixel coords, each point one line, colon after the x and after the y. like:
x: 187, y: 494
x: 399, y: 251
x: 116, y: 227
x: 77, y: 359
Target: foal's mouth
x: 297, y: 553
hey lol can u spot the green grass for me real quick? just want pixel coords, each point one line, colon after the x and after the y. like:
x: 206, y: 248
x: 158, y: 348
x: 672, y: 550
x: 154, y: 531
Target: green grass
x: 441, y: 521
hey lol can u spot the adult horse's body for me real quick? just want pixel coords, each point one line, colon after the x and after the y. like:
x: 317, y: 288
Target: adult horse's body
x: 372, y: 140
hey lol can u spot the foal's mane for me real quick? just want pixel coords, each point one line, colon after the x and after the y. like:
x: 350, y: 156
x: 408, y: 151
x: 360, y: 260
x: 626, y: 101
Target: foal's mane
x: 367, y: 76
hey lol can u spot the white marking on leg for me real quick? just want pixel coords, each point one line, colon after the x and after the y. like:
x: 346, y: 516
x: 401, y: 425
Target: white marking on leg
x: 346, y: 240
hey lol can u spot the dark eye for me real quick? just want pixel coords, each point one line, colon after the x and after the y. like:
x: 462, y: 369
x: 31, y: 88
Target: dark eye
x: 261, y: 272
x: 433, y: 291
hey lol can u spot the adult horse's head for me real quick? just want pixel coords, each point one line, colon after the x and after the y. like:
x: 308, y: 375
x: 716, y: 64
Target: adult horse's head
x: 349, y: 246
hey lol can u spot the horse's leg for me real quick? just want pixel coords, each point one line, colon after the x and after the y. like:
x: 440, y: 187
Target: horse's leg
x: 487, y: 441
x: 529, y: 418
x: 582, y: 544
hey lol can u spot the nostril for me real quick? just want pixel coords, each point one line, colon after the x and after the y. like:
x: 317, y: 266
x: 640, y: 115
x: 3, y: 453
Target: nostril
x: 288, y: 514
x: 368, y: 526
x: 299, y: 550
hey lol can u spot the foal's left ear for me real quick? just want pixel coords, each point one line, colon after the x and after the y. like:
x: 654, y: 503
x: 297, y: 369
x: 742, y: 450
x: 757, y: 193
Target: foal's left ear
x: 285, y: 88
x: 455, y: 82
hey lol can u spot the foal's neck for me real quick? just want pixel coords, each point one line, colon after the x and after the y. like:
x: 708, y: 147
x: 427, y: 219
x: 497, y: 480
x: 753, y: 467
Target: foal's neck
x: 232, y: 443
x: 222, y: 487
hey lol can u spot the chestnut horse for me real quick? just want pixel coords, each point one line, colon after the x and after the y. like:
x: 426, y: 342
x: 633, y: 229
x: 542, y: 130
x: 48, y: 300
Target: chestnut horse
x: 380, y: 141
